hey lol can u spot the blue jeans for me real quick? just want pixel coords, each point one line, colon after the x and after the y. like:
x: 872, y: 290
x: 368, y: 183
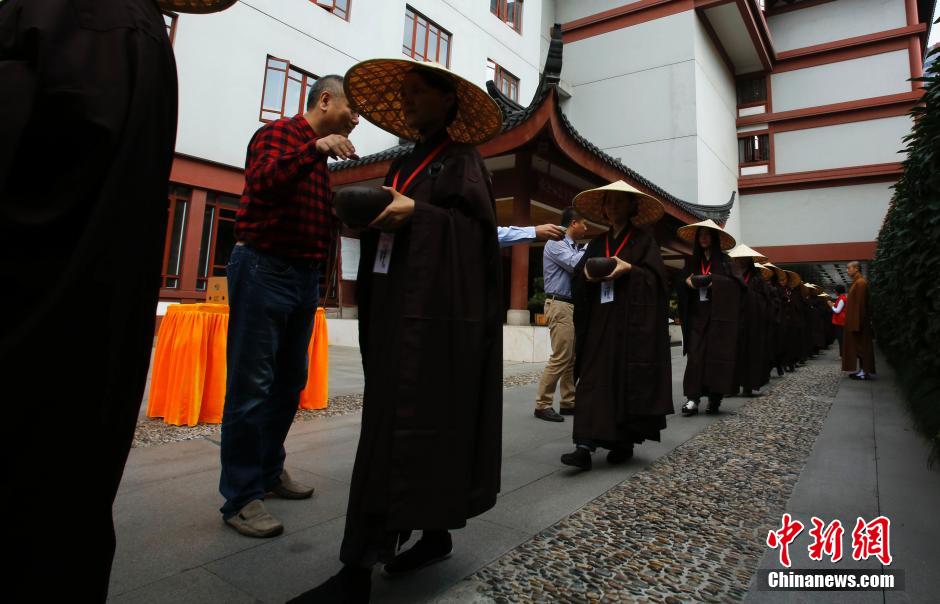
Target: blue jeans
x: 272, y: 304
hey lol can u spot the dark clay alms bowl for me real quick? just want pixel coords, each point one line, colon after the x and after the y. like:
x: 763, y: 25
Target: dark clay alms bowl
x: 598, y: 268
x: 359, y: 206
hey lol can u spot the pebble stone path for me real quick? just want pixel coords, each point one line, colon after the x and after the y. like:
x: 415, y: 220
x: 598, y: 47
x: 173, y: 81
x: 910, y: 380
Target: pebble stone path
x: 150, y: 432
x: 691, y: 526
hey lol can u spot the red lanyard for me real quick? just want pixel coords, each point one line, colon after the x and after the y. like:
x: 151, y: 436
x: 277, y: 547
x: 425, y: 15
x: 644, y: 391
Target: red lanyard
x: 427, y: 160
x: 625, y: 240
x: 706, y: 270
x: 747, y: 278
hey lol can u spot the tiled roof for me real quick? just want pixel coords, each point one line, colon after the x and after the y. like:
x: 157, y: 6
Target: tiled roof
x: 515, y: 114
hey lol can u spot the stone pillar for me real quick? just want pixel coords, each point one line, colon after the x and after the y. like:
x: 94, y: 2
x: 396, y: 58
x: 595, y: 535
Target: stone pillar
x: 519, y: 281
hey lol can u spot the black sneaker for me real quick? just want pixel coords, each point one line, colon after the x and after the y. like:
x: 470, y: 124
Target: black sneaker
x: 431, y: 548
x: 548, y: 415
x: 619, y: 456
x: 350, y: 586
x: 580, y: 458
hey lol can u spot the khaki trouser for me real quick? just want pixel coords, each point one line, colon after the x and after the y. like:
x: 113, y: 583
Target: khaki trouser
x: 560, y: 367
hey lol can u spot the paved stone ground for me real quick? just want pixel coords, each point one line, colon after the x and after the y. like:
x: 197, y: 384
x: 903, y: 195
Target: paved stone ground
x: 688, y: 527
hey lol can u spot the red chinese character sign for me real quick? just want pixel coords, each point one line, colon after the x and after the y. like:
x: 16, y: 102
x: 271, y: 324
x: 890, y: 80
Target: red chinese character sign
x: 828, y: 541
x: 784, y: 537
x: 872, y: 539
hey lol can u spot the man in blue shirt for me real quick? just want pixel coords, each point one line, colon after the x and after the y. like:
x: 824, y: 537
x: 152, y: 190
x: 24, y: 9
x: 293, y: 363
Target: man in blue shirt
x: 559, y: 260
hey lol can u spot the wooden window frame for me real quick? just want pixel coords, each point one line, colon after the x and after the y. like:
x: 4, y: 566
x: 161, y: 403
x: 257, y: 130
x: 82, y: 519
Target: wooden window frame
x: 502, y: 13
x: 330, y: 7
x: 172, y: 27
x: 287, y: 77
x: 766, y: 149
x: 212, y: 202
x: 174, y: 200
x: 748, y: 77
x: 415, y: 16
x: 500, y: 75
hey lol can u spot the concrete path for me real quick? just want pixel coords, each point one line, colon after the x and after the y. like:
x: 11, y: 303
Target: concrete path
x: 173, y: 547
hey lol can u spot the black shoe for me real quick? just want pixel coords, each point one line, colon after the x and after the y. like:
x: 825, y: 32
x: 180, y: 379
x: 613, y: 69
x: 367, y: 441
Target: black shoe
x: 581, y: 458
x: 432, y: 547
x: 351, y: 585
x: 690, y: 408
x: 619, y: 456
x: 712, y: 407
x: 779, y: 371
x: 567, y: 410
x: 548, y: 415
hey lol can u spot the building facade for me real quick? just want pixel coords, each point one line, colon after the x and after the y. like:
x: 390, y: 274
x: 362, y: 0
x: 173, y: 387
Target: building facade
x: 799, y: 108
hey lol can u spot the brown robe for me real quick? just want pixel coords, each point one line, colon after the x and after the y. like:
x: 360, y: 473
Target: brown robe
x: 430, y: 334
x: 88, y: 99
x: 859, y: 347
x: 710, y: 329
x: 753, y: 370
x: 622, y: 359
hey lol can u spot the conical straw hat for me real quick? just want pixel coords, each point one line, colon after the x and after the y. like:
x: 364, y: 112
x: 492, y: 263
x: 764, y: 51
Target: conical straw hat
x: 373, y: 88
x: 781, y: 274
x: 590, y: 203
x: 743, y: 251
x: 765, y: 272
x: 688, y: 232
x: 793, y: 279
x: 195, y: 6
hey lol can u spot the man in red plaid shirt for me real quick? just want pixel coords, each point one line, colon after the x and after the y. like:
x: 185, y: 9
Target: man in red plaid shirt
x: 284, y: 231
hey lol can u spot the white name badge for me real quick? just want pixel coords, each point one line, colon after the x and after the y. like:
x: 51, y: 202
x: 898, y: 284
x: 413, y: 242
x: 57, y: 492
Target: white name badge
x: 607, y: 292
x: 702, y: 294
x: 383, y: 255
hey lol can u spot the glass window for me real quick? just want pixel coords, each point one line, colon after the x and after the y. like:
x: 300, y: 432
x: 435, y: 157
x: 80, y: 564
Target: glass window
x: 752, y: 90
x: 754, y: 149
x: 340, y: 8
x: 425, y: 40
x: 285, y: 90
x: 218, y: 237
x: 177, y: 205
x: 507, y: 83
x: 509, y: 11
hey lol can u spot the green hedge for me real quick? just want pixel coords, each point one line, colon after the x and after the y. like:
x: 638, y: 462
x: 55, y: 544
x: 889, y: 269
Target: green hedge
x: 905, y: 274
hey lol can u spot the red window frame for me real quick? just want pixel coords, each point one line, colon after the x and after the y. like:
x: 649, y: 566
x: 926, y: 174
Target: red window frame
x: 170, y: 25
x: 291, y: 73
x: 178, y: 199
x: 505, y: 82
x: 433, y: 35
x: 340, y: 8
x: 210, y: 235
x: 500, y: 8
x: 753, y: 149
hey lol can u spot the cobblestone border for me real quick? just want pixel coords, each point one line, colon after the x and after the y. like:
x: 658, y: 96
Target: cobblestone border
x: 691, y: 526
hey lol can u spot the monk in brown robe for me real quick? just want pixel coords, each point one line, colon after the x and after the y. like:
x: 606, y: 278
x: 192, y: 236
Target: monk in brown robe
x: 622, y: 359
x: 430, y: 333
x: 710, y: 296
x: 859, y: 356
x: 89, y: 112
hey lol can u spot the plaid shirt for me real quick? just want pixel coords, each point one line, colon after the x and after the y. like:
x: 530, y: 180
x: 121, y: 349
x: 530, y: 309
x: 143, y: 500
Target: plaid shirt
x: 285, y: 209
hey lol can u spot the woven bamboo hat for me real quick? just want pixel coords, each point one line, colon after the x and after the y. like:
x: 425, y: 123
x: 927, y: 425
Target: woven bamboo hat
x: 590, y: 203
x: 195, y: 6
x: 765, y: 272
x: 781, y: 274
x: 743, y: 251
x: 373, y: 87
x: 689, y: 231
x: 793, y: 279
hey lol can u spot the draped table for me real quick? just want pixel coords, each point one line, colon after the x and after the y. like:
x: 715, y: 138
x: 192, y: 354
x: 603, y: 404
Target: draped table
x: 187, y: 385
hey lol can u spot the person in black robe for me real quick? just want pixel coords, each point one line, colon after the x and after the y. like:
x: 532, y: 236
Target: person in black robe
x: 776, y: 327
x: 430, y: 331
x: 89, y: 106
x: 622, y: 357
x: 710, y: 293
x: 751, y: 372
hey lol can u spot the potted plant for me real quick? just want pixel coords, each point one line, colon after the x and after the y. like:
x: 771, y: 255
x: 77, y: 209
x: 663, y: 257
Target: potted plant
x: 537, y: 301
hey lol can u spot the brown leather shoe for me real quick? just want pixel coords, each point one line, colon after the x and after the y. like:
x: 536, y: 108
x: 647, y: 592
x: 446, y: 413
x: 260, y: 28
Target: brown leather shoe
x: 288, y: 489
x: 253, y: 520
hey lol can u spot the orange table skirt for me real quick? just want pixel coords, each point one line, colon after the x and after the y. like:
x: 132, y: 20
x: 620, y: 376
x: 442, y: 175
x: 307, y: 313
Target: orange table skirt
x: 187, y: 385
